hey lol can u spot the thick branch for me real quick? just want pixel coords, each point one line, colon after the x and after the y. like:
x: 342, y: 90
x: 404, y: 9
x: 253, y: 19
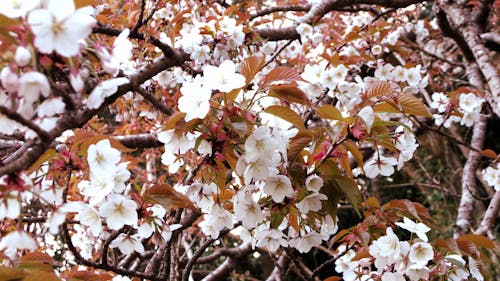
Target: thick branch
x: 230, y: 263
x: 488, y: 222
x: 139, y: 141
x: 464, y: 216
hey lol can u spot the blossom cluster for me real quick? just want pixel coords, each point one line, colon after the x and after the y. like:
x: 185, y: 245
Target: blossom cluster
x: 398, y: 260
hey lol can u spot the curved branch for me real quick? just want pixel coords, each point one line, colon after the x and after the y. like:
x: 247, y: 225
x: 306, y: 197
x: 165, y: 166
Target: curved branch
x: 230, y: 263
x: 77, y: 118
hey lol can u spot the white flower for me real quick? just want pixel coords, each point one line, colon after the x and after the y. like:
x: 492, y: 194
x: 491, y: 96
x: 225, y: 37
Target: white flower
x: 386, y: 246
x: 474, y: 269
x: 18, y: 240
x: 51, y: 107
x: 247, y: 210
x: 417, y: 272
x: 118, y: 211
x: 333, y: 76
x: 305, y: 31
x: 440, y: 101
x: 10, y: 207
x: 195, y: 100
x: 392, y: 276
x: 271, y: 239
x: 399, y: 74
x: 314, y: 183
x: 127, y: 244
x: 492, y: 176
x: 418, y: 228
x: 413, y: 75
x: 377, y: 50
x: 223, y: 78
x: 23, y: 55
x: 421, y: 253
x: 10, y: 80
x: 305, y: 243
x: 311, y: 203
x: 278, y: 187
x: 104, y: 90
x: 382, y: 165
x: 32, y: 84
x: 217, y: 219
x: 384, y: 72
x: 60, y: 28
x: 469, y: 102
x: 175, y: 143
x: 259, y: 144
x: 102, y: 158
x: 18, y: 8
x: 88, y: 216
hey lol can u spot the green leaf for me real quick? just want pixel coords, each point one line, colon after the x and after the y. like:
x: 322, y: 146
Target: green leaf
x: 290, y: 93
x: 329, y: 111
x: 349, y: 187
x: 286, y: 114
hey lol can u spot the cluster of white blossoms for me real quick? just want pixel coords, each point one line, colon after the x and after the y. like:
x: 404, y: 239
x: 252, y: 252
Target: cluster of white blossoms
x: 397, y: 260
x: 58, y: 27
x: 468, y: 112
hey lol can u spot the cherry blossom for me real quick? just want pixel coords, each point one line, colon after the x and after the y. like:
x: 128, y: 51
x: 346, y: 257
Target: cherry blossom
x: 195, y: 100
x: 118, y: 211
x: 223, y: 77
x: 382, y: 165
x: 60, y: 28
x: 278, y: 187
x: 127, y: 244
x: 418, y: 228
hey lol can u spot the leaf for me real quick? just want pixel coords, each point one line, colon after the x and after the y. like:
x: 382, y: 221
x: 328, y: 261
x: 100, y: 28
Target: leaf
x: 289, y: 93
x: 488, y: 153
x: 361, y: 255
x: 297, y: 144
x: 38, y: 275
x: 88, y: 276
x: 83, y: 3
x: 478, y: 240
x: 251, y: 66
x: 293, y: 219
x: 46, y: 156
x: 118, y: 145
x: 173, y: 120
x: 38, y: 257
x: 220, y: 174
x: 165, y: 194
x: 468, y: 247
x: 380, y: 88
x: 353, y: 148
x: 349, y: 187
x: 333, y: 278
x: 286, y: 114
x: 37, y: 260
x: 413, y: 105
x: 386, y: 106
x: 329, y: 111
x: 332, y: 191
x: 11, y: 274
x: 282, y: 73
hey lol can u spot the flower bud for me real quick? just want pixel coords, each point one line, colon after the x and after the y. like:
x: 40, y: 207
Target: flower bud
x: 23, y: 56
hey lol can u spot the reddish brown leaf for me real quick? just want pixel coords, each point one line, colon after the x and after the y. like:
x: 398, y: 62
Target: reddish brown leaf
x: 329, y: 111
x: 286, y: 114
x: 251, y: 66
x: 290, y: 93
x: 282, y: 73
